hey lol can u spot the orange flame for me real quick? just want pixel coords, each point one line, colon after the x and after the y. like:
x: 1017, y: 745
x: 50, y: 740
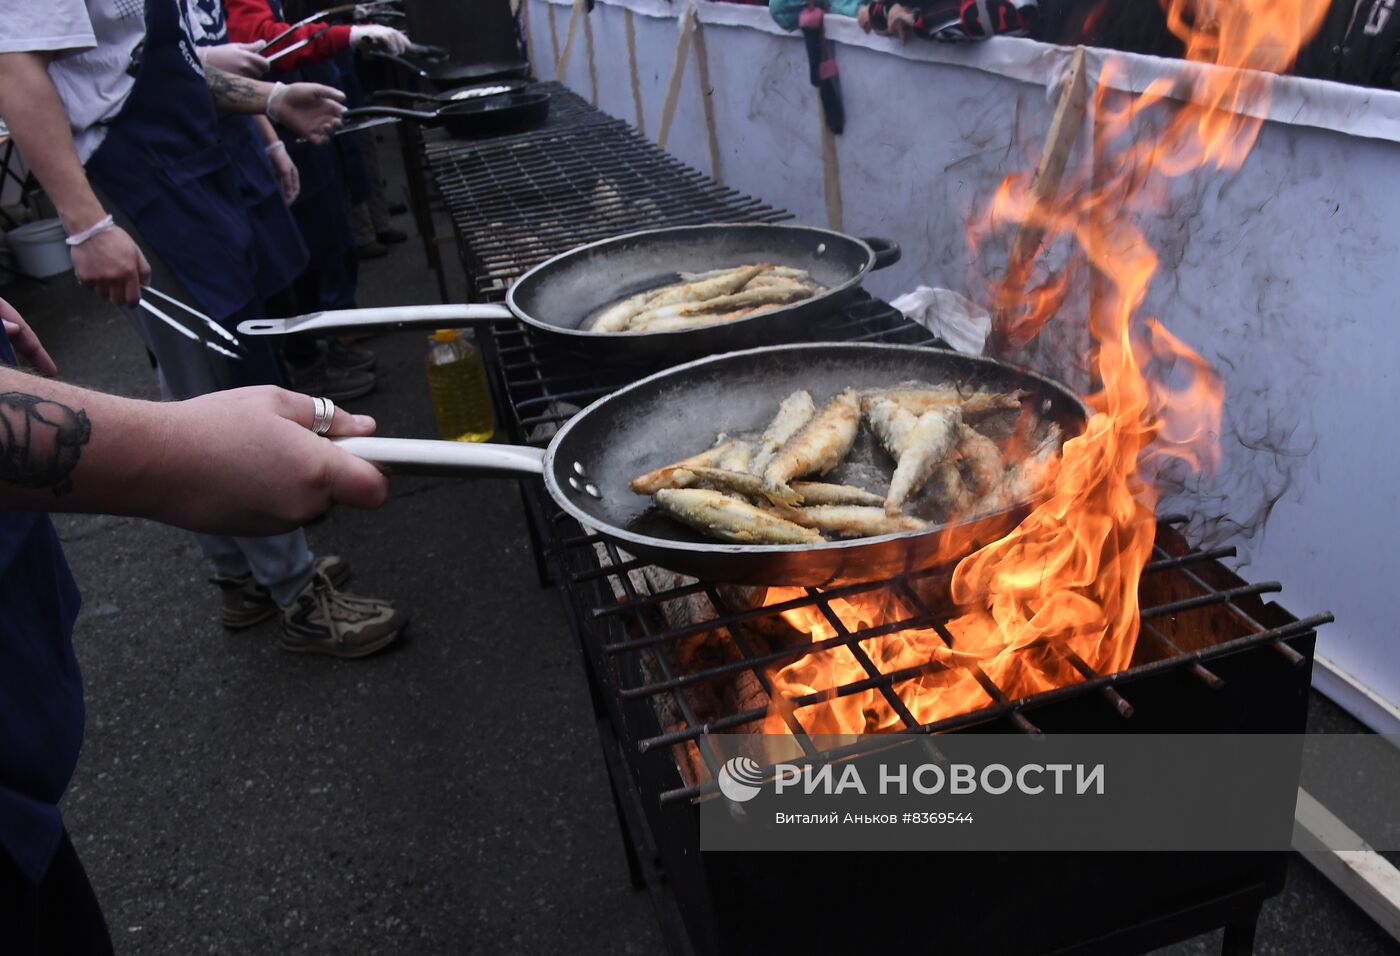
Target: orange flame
x: 1057, y: 596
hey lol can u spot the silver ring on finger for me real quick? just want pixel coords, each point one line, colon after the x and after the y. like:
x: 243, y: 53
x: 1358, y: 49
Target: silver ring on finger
x: 322, y: 416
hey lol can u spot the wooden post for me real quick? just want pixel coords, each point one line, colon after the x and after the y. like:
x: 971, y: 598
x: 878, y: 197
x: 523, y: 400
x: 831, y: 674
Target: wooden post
x: 592, y: 67
x: 831, y: 175
x: 684, y: 35
x: 1049, y: 172
x: 702, y: 63
x: 553, y: 36
x: 561, y: 64
x: 632, y: 69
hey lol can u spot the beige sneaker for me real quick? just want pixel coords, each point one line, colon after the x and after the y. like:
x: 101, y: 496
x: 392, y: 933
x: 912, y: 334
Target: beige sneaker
x: 246, y: 602
x: 323, y: 620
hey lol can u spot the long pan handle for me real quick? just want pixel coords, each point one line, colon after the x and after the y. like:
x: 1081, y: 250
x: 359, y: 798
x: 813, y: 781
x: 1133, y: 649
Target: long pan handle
x: 422, y: 456
x: 383, y: 97
x: 397, y: 112
x: 389, y: 317
x: 407, y: 65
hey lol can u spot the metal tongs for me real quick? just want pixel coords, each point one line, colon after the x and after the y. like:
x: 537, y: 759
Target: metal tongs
x: 297, y: 45
x: 234, y: 348
x: 322, y: 14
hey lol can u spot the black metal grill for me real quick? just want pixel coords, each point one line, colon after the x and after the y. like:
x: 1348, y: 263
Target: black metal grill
x: 1213, y: 655
x: 517, y: 200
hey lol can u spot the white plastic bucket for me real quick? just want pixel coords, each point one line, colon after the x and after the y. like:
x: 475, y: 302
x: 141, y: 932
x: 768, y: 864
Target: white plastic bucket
x: 39, y: 248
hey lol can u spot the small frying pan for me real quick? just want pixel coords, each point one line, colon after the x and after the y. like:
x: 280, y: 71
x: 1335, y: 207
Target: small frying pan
x: 448, y: 76
x: 487, y: 116
x: 675, y: 413
x: 475, y: 91
x: 556, y: 296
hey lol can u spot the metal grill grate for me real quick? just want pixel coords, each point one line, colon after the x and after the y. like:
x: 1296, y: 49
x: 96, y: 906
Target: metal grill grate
x: 517, y: 200
x: 618, y: 608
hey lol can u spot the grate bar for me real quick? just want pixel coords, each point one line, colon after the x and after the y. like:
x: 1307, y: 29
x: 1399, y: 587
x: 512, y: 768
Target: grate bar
x: 1210, y: 599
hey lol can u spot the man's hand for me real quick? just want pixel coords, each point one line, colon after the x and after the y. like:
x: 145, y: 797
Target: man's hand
x: 240, y: 59
x: 308, y: 109
x: 111, y: 264
x: 249, y: 463
x: 900, y: 22
x: 286, y: 171
x: 25, y: 343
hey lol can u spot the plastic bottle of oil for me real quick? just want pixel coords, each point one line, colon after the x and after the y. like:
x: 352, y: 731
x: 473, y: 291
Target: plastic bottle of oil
x: 457, y: 382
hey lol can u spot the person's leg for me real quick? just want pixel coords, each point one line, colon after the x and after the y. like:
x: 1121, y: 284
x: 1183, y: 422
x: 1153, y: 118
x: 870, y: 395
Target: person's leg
x: 378, y: 203
x: 281, y: 573
x: 186, y: 369
x: 70, y: 918
x: 59, y: 917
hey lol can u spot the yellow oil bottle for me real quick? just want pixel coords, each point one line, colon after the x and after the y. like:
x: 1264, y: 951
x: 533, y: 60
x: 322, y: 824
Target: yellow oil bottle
x: 457, y: 383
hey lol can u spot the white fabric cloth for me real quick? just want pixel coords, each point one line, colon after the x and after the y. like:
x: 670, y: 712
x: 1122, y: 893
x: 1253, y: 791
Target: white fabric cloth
x: 93, y: 42
x: 959, y: 321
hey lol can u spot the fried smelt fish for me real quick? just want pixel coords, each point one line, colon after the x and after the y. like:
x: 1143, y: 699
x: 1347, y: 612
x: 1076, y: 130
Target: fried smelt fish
x: 726, y: 283
x: 737, y: 456
x: 795, y: 411
x: 983, y: 459
x: 852, y: 521
x: 890, y: 423
x: 1024, y: 479
x: 751, y: 486
x: 720, y: 516
x: 928, y: 443
x: 918, y: 399
x: 717, y: 306
x: 665, y: 477
x: 780, y: 272
x: 947, y: 487
x: 819, y: 447
x: 614, y: 318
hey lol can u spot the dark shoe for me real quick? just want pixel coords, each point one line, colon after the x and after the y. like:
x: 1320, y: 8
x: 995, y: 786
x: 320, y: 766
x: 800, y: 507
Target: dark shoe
x: 371, y: 250
x: 323, y: 620
x: 246, y: 602
x: 349, y: 358
x: 323, y: 379
x: 397, y: 209
x: 391, y: 237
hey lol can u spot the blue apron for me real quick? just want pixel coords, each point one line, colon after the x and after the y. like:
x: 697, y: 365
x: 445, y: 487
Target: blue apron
x: 164, y: 165
x: 41, y: 690
x: 322, y: 210
x: 281, y: 253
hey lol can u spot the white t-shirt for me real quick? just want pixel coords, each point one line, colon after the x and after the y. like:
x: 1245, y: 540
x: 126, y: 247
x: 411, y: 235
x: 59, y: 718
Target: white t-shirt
x: 94, y: 41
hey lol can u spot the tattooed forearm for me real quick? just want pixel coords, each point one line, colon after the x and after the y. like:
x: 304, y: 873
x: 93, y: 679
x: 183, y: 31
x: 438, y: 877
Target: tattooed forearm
x: 235, y: 94
x: 40, y: 441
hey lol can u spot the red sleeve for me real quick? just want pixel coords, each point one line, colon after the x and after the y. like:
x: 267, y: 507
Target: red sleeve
x: 251, y: 20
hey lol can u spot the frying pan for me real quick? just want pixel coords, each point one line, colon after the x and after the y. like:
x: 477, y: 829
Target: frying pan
x: 676, y: 412
x: 449, y: 76
x: 556, y: 295
x: 488, y: 115
x: 473, y: 91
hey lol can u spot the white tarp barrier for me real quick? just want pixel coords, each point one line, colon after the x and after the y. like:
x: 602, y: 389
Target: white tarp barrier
x: 1283, y: 275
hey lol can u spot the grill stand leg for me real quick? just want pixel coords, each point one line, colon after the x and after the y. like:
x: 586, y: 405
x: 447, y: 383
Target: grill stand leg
x: 411, y: 145
x: 1239, y: 937
x: 635, y: 874
x: 537, y: 541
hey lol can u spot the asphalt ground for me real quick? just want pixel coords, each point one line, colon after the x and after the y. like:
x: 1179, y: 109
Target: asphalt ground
x: 447, y: 796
